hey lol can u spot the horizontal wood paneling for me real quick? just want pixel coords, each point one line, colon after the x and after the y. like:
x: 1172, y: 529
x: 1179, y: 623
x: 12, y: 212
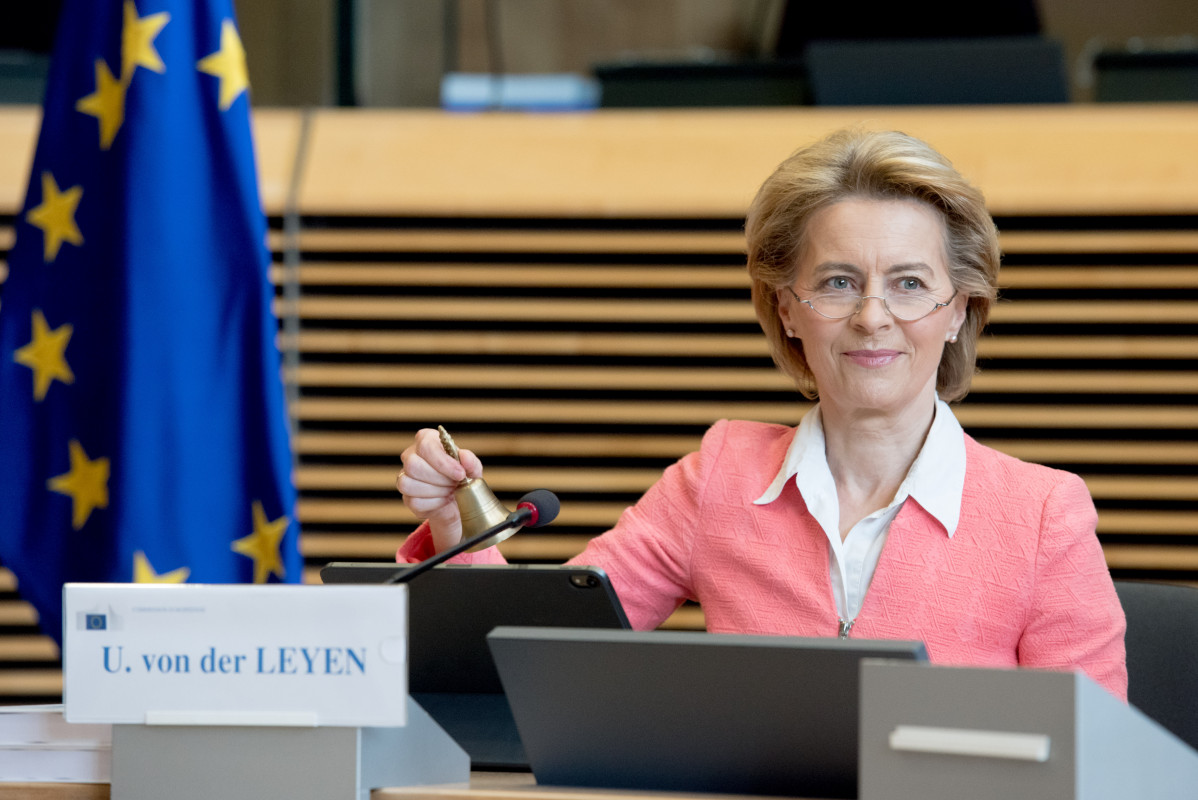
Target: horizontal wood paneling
x: 559, y: 353
x: 1072, y: 159
x: 706, y: 379
x: 1101, y: 416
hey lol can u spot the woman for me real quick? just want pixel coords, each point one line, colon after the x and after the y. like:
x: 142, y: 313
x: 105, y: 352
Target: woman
x: 874, y: 266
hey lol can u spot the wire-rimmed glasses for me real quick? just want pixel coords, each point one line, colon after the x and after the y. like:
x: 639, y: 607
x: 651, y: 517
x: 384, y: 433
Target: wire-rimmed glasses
x: 905, y: 307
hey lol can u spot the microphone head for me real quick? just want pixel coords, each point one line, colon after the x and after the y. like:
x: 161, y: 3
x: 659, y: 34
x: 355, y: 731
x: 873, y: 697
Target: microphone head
x: 544, y: 505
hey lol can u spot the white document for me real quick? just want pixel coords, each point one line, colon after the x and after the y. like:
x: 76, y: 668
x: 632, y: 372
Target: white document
x: 37, y: 745
x: 235, y: 654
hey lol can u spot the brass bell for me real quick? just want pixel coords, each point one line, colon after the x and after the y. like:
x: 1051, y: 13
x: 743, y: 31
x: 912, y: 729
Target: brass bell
x: 478, y: 505
x: 480, y: 509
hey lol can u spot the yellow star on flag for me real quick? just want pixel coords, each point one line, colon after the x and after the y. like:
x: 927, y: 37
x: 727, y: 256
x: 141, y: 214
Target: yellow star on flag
x: 263, y: 545
x: 228, y: 64
x: 86, y: 484
x: 137, y: 41
x: 143, y: 572
x: 56, y: 216
x: 106, y: 104
x: 45, y: 355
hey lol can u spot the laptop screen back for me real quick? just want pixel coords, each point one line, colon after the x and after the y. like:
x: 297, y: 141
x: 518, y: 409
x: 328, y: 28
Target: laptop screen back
x: 688, y: 711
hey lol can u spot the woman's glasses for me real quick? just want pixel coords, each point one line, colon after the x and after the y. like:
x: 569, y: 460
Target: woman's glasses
x: 906, y: 307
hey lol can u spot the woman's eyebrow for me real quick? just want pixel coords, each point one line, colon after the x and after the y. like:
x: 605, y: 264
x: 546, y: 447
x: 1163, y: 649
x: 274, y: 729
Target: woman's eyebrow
x: 909, y: 266
x: 837, y: 266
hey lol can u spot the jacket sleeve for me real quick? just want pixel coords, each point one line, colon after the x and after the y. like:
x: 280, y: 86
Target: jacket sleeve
x: 1075, y: 619
x: 647, y: 554
x: 419, y: 546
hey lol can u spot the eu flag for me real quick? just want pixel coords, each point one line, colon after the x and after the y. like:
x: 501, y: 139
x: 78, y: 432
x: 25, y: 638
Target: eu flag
x: 143, y: 433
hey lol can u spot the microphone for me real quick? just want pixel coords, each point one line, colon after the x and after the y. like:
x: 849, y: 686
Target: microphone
x: 542, y: 506
x: 535, y: 509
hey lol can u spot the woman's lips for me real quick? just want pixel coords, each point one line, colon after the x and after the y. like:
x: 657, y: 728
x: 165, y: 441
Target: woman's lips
x: 872, y: 358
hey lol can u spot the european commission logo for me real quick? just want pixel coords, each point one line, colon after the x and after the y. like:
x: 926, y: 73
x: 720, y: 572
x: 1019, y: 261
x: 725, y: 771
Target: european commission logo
x: 97, y: 621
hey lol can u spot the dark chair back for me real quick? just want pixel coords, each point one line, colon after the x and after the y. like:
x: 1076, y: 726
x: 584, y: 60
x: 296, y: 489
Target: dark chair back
x: 1162, y: 653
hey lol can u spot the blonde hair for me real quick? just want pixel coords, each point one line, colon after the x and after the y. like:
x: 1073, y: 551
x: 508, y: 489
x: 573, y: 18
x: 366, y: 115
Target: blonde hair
x: 885, y: 165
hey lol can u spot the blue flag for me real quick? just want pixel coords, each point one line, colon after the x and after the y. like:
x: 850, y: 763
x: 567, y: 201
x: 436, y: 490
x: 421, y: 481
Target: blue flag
x: 143, y: 432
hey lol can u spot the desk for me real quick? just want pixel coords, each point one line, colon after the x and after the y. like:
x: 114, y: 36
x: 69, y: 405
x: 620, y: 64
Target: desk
x: 482, y: 786
x: 522, y: 786
x: 54, y: 791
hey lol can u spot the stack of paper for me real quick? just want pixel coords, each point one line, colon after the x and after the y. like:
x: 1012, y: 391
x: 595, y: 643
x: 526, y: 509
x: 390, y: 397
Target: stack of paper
x: 37, y: 744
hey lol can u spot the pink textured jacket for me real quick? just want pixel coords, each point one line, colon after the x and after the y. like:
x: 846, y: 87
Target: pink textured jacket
x: 1022, y: 581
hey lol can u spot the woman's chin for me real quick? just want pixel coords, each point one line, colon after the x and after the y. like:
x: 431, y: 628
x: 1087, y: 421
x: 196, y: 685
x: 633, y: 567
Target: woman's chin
x: 876, y: 398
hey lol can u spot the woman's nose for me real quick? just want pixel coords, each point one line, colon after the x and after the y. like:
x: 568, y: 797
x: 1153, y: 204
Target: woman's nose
x: 872, y: 313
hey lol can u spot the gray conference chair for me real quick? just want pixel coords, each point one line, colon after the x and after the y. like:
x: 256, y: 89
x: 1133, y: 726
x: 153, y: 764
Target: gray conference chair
x: 1162, y: 653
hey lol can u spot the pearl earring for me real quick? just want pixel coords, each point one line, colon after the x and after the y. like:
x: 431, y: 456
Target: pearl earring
x: 953, y: 339
x: 790, y: 334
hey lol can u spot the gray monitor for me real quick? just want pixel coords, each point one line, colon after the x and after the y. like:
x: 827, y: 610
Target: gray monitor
x: 692, y: 712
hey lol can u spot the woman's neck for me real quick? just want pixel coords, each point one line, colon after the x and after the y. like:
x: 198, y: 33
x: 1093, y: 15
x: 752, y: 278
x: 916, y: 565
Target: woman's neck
x: 869, y: 454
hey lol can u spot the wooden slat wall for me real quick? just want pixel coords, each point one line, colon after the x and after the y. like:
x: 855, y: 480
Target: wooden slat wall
x: 556, y: 370
x: 567, y: 296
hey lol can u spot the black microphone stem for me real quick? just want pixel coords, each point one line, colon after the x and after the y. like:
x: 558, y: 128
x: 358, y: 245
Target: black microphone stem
x: 517, y: 517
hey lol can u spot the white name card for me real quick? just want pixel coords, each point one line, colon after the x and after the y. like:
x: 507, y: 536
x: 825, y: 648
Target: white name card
x: 235, y: 655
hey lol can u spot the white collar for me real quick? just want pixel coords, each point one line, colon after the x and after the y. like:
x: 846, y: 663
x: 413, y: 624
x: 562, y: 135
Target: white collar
x: 936, y: 480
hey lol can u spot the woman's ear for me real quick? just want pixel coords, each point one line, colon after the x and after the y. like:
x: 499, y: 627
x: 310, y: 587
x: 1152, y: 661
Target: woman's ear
x: 959, y: 307
x: 784, y: 310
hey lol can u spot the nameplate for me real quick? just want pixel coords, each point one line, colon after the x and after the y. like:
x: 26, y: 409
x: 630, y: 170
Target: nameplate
x: 235, y: 654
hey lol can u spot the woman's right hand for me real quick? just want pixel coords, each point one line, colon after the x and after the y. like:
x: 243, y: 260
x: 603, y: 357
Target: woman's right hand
x: 427, y: 482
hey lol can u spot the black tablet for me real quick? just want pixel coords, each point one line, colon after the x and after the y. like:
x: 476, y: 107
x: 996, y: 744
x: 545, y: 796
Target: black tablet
x: 452, y: 608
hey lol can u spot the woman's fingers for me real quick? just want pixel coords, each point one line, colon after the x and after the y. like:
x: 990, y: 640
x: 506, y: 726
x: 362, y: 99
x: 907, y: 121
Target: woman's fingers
x: 427, y: 482
x: 442, y: 508
x: 470, y: 462
x: 426, y: 462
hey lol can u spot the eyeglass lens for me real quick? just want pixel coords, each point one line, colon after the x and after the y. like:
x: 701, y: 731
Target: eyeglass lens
x: 908, y: 308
